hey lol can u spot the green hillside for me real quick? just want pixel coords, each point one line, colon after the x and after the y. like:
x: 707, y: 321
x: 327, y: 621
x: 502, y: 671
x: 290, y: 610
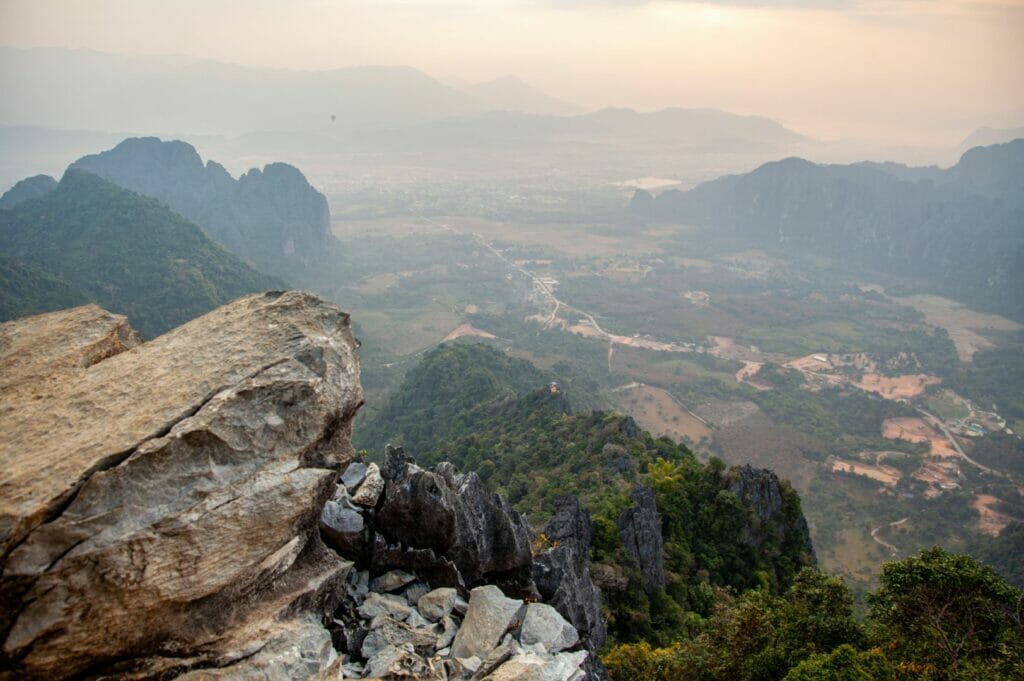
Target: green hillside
x: 91, y: 241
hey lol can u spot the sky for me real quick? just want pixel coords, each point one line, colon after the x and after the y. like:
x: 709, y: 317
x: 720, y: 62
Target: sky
x: 903, y: 71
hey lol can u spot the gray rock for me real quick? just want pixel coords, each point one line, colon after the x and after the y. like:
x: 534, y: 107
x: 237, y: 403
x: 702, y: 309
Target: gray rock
x: 418, y: 621
x: 384, y: 604
x: 438, y: 603
x: 424, y: 563
x: 461, y: 606
x: 447, y: 635
x: 506, y: 649
x: 455, y: 516
x: 385, y: 632
x: 343, y: 529
x: 392, y: 581
x: 489, y: 616
x: 640, y: 531
x: 396, y: 663
x: 543, y: 624
x: 471, y: 663
x: 353, y: 475
x: 370, y: 489
x: 531, y: 667
x: 415, y: 591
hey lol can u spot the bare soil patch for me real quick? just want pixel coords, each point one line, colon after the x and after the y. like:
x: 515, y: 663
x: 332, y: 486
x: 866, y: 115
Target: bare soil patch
x: 913, y: 429
x: 896, y: 387
x: 990, y: 521
x: 468, y: 329
x: 887, y: 475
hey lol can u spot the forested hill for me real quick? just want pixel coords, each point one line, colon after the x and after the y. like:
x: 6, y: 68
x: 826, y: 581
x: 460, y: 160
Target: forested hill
x: 961, y: 229
x: 271, y: 218
x: 440, y: 394
x: 89, y: 240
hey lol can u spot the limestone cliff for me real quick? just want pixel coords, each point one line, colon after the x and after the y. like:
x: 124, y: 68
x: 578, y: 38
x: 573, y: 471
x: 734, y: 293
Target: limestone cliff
x: 271, y: 217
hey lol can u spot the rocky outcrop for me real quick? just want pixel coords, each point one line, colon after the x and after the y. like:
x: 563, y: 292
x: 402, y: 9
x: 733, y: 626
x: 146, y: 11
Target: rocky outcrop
x: 640, y: 531
x: 159, y: 501
x: 191, y: 507
x: 562, y: 574
x: 29, y: 188
x: 761, y: 490
x: 270, y: 217
x: 453, y: 515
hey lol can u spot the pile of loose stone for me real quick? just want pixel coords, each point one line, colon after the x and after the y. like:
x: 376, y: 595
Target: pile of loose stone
x: 403, y: 629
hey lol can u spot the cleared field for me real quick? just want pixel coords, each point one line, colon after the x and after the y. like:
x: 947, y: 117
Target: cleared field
x: 990, y: 521
x: 468, y: 329
x: 855, y: 555
x: 758, y: 441
x: 658, y: 412
x: 897, y: 387
x: 913, y: 429
x: 721, y: 413
x: 887, y: 475
x: 403, y: 333
x: 965, y: 326
x: 746, y: 374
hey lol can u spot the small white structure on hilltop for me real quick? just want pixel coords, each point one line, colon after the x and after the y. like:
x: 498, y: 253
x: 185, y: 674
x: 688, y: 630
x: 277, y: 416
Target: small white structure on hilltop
x: 553, y: 387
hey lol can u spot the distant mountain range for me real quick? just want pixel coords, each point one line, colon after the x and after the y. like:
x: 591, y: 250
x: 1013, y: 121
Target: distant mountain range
x: 961, y: 228
x: 87, y: 90
x: 88, y: 240
x: 272, y: 217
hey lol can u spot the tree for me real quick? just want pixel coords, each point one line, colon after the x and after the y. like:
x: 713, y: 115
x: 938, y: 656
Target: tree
x: 948, y: 613
x: 845, y: 663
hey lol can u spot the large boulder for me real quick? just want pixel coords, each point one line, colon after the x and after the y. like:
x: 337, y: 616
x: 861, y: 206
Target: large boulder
x: 640, y: 531
x: 454, y: 515
x: 160, y: 501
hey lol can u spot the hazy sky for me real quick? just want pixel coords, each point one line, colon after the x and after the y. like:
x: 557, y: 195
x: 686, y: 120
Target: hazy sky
x: 905, y: 70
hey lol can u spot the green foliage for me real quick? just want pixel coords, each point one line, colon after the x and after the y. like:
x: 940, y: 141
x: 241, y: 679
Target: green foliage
x: 948, y: 613
x: 845, y: 663
x: 91, y: 241
x: 1003, y: 552
x: 936, y: 617
x: 440, y: 396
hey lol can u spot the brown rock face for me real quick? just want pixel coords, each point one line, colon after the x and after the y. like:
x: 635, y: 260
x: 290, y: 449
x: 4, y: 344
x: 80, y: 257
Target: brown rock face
x: 159, y: 501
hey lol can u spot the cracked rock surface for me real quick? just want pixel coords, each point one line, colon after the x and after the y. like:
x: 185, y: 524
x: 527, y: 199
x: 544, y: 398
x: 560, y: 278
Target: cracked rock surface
x: 160, y: 501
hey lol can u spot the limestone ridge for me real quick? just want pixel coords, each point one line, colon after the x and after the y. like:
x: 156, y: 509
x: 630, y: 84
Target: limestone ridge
x: 640, y: 530
x: 270, y: 217
x: 159, y: 501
